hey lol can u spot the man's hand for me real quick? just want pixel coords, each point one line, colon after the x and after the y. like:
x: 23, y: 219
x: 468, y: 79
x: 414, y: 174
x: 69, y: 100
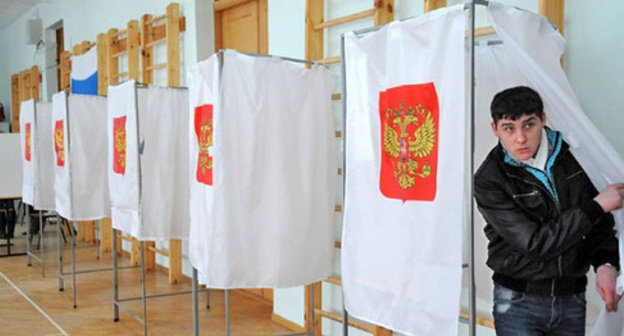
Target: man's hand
x: 611, y: 197
x: 605, y: 284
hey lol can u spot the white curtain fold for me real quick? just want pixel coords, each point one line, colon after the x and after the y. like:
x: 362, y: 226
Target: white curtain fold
x: 203, y: 101
x: 148, y: 161
x: 28, y: 141
x: 274, y: 175
x: 405, y: 196
x: 80, y: 181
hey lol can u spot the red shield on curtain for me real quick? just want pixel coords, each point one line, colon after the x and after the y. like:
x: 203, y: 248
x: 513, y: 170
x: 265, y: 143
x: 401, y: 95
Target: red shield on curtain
x: 409, y: 117
x: 59, y: 143
x: 119, y: 145
x: 204, y: 131
x: 28, y: 137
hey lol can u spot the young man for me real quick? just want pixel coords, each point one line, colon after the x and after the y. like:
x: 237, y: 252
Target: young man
x: 546, y: 223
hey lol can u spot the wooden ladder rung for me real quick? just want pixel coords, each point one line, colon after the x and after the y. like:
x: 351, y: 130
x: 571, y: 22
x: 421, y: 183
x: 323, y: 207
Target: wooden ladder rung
x: 155, y: 42
x: 126, y: 238
x: 334, y: 280
x: 337, y: 244
x: 119, y: 53
x: 336, y: 96
x: 156, y: 19
x: 159, y: 251
x: 353, y: 323
x: 345, y: 19
x: 338, y: 134
x: 483, y: 31
x: 156, y: 66
x: 330, y: 60
x: 480, y: 320
x: 122, y: 74
x: 338, y: 208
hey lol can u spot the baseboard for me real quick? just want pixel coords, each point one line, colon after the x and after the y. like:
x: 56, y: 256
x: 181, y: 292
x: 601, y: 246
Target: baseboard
x: 287, y: 323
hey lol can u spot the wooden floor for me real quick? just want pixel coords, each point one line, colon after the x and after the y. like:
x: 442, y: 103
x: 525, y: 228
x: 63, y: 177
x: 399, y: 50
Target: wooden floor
x: 55, y: 314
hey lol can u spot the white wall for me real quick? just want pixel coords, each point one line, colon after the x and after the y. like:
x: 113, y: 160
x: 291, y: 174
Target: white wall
x: 594, y: 63
x: 16, y: 54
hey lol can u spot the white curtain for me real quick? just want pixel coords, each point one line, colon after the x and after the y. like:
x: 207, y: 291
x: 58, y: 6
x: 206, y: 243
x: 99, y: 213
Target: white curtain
x: 29, y: 154
x: 36, y: 147
x: 80, y: 181
x: 405, y: 196
x: 149, y: 189
x: 163, y: 128
x: 203, y: 99
x: 123, y: 157
x: 62, y: 186
x: 44, y: 146
x: 274, y: 175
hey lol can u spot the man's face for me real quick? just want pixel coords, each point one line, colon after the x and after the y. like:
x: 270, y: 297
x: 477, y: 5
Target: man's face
x: 521, y: 137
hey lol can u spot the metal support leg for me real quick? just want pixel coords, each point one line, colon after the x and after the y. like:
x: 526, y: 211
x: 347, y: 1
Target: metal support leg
x: 115, y: 279
x: 143, y: 288
x: 73, y: 250
x: 472, y: 289
x: 97, y: 239
x: 227, y: 312
x: 59, y: 251
x: 195, y: 310
x: 345, y: 322
x: 28, y: 236
x: 41, y: 244
x: 207, y: 298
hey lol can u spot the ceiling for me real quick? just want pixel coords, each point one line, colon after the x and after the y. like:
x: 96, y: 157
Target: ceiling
x: 10, y: 10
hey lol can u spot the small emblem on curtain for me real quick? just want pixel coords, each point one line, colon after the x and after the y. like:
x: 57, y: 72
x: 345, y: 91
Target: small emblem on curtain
x: 409, y: 117
x: 59, y: 142
x: 119, y: 145
x: 204, y: 130
x: 28, y: 137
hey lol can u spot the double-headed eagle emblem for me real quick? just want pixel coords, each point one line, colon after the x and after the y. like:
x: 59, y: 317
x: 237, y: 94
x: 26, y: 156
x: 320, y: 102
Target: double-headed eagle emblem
x: 120, y: 147
x: 205, y: 142
x: 28, y: 142
x: 59, y: 141
x: 409, y: 135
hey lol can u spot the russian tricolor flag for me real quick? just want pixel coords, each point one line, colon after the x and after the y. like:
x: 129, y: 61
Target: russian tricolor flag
x: 84, y: 77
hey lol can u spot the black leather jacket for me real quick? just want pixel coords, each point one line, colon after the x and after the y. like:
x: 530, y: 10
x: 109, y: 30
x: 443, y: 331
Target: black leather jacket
x: 535, y: 236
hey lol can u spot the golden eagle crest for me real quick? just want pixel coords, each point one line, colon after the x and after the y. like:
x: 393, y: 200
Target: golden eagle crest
x: 409, y: 126
x: 406, y: 146
x: 59, y: 143
x: 204, y: 130
x: 28, y: 140
x: 119, y: 145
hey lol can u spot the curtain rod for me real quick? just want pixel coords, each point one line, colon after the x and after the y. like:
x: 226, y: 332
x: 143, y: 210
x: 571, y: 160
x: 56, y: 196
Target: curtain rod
x: 375, y: 28
x: 290, y: 59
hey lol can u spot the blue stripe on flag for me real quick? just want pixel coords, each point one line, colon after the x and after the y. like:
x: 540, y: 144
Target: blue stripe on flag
x: 87, y: 86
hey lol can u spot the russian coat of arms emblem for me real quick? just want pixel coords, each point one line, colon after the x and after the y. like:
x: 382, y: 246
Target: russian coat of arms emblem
x: 409, y: 119
x: 119, y: 145
x: 204, y: 130
x: 28, y: 138
x: 59, y: 143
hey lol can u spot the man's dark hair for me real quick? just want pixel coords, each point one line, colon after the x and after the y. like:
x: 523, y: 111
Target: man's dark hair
x: 515, y: 102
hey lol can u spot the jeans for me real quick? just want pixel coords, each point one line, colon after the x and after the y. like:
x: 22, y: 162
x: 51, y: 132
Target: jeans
x: 523, y: 314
